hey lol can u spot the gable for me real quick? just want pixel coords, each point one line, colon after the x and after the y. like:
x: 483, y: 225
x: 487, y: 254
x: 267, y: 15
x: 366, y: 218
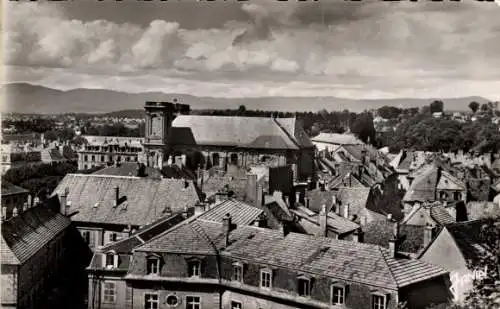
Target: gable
x: 444, y: 252
x: 448, y: 182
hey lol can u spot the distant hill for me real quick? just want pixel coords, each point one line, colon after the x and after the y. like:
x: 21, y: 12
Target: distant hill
x: 27, y: 98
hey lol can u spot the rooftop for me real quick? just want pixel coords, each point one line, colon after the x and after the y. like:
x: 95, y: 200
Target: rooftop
x: 241, y: 213
x: 244, y: 132
x: 27, y: 233
x: 141, y: 200
x: 326, y: 257
x: 10, y: 189
x: 337, y: 139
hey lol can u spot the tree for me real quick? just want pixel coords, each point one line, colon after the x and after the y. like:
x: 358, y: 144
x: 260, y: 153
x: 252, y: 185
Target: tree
x: 486, y: 290
x: 484, y: 107
x: 389, y: 112
x: 241, y: 110
x: 474, y: 106
x: 363, y: 128
x: 437, y: 106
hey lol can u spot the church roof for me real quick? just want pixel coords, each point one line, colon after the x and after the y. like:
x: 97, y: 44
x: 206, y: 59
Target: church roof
x: 243, y: 132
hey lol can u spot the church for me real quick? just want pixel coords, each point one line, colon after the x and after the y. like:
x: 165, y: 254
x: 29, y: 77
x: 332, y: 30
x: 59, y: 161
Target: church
x: 218, y: 141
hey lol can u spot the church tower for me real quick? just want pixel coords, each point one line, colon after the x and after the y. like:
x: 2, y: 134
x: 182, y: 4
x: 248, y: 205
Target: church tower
x: 159, y: 118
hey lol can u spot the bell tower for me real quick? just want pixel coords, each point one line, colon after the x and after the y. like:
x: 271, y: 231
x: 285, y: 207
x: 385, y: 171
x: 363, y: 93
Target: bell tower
x: 159, y: 118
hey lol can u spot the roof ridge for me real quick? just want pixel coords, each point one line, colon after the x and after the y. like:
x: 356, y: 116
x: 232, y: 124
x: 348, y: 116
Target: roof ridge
x: 388, y: 266
x: 105, y: 176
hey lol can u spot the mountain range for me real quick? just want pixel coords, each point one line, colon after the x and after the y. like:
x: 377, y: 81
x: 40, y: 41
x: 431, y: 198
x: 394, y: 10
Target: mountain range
x: 32, y: 99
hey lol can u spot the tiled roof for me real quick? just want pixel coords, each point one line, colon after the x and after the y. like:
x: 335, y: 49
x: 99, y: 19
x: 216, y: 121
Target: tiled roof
x: 335, y: 223
x: 145, y: 199
x: 241, y: 213
x: 25, y: 234
x: 245, y: 132
x: 128, y: 169
x: 125, y: 246
x: 423, y: 187
x: 441, y: 215
x: 380, y: 232
x: 295, y: 129
x: 347, y: 260
x: 337, y: 139
x: 9, y: 189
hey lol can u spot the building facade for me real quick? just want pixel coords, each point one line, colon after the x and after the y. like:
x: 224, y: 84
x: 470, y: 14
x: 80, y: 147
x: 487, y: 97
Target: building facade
x: 14, y: 200
x: 207, y: 264
x: 106, y: 150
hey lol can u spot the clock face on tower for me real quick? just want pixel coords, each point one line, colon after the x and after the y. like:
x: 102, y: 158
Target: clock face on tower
x: 156, y: 126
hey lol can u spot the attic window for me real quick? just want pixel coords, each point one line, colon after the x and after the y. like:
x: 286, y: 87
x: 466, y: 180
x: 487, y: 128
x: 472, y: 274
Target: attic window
x: 251, y: 236
x: 96, y: 205
x: 124, y: 206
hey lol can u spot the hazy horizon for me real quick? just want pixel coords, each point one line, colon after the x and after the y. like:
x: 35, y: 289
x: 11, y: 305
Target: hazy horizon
x: 263, y: 48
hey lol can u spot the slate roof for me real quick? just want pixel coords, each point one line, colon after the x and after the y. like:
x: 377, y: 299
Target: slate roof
x: 335, y: 223
x: 357, y: 198
x: 125, y: 246
x: 422, y: 214
x: 243, y: 132
x: 423, y: 187
x: 147, y: 200
x: 128, y: 169
x: 27, y: 233
x: 357, y: 262
x: 337, y: 139
x: 10, y: 189
x: 295, y: 130
x: 241, y: 213
x: 381, y: 231
x: 467, y: 237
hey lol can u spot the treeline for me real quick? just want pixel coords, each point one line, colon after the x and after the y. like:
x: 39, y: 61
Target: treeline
x: 435, y: 134
x: 116, y: 129
x: 41, y: 179
x: 37, y: 125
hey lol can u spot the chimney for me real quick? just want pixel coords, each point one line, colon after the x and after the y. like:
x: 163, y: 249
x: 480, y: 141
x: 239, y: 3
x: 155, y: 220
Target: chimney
x: 117, y: 196
x: 363, y: 156
x: 126, y: 232
x: 14, y: 212
x: 4, y: 212
x: 346, y: 211
x: 226, y: 225
x: 322, y: 185
x: 393, y: 242
x: 428, y: 231
x: 358, y: 235
x: 392, y: 247
x: 30, y: 201
x: 307, y: 202
x: 297, y: 197
x: 284, y: 229
x: 323, y: 217
x: 63, y: 200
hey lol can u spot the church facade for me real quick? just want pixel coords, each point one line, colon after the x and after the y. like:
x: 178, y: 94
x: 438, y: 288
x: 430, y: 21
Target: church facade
x: 220, y: 141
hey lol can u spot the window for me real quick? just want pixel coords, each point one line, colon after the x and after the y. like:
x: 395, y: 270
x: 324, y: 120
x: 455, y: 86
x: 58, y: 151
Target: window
x: 338, y: 295
x: 86, y: 236
x: 85, y: 158
x: 304, y: 287
x: 110, y: 260
x: 109, y: 292
x: 236, y: 305
x: 215, y: 159
x: 150, y: 301
x: 194, y: 268
x: 456, y: 196
x: 153, y: 266
x: 265, y: 278
x: 172, y: 300
x: 93, y: 158
x: 378, y: 302
x: 112, y: 237
x: 238, y: 272
x: 102, y: 158
x: 193, y: 302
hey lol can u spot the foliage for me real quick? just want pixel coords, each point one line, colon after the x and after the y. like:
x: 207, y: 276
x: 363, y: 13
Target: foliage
x: 39, y: 177
x: 116, y: 129
x: 389, y: 112
x: 38, y: 125
x: 363, y: 127
x: 65, y: 134
x: 437, y: 107
x: 474, y: 106
x: 426, y: 133
x: 486, y: 291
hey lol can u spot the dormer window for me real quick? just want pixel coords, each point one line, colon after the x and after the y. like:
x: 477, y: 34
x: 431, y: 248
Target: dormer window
x: 153, y: 265
x: 194, y: 268
x: 338, y: 293
x: 110, y: 260
x: 238, y: 272
x: 266, y: 278
x: 379, y: 301
x: 304, y: 286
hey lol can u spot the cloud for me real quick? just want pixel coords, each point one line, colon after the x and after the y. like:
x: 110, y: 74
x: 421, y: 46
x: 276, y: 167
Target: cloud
x: 372, y: 46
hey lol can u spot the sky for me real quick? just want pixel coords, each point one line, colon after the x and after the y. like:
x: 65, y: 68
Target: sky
x: 255, y: 48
